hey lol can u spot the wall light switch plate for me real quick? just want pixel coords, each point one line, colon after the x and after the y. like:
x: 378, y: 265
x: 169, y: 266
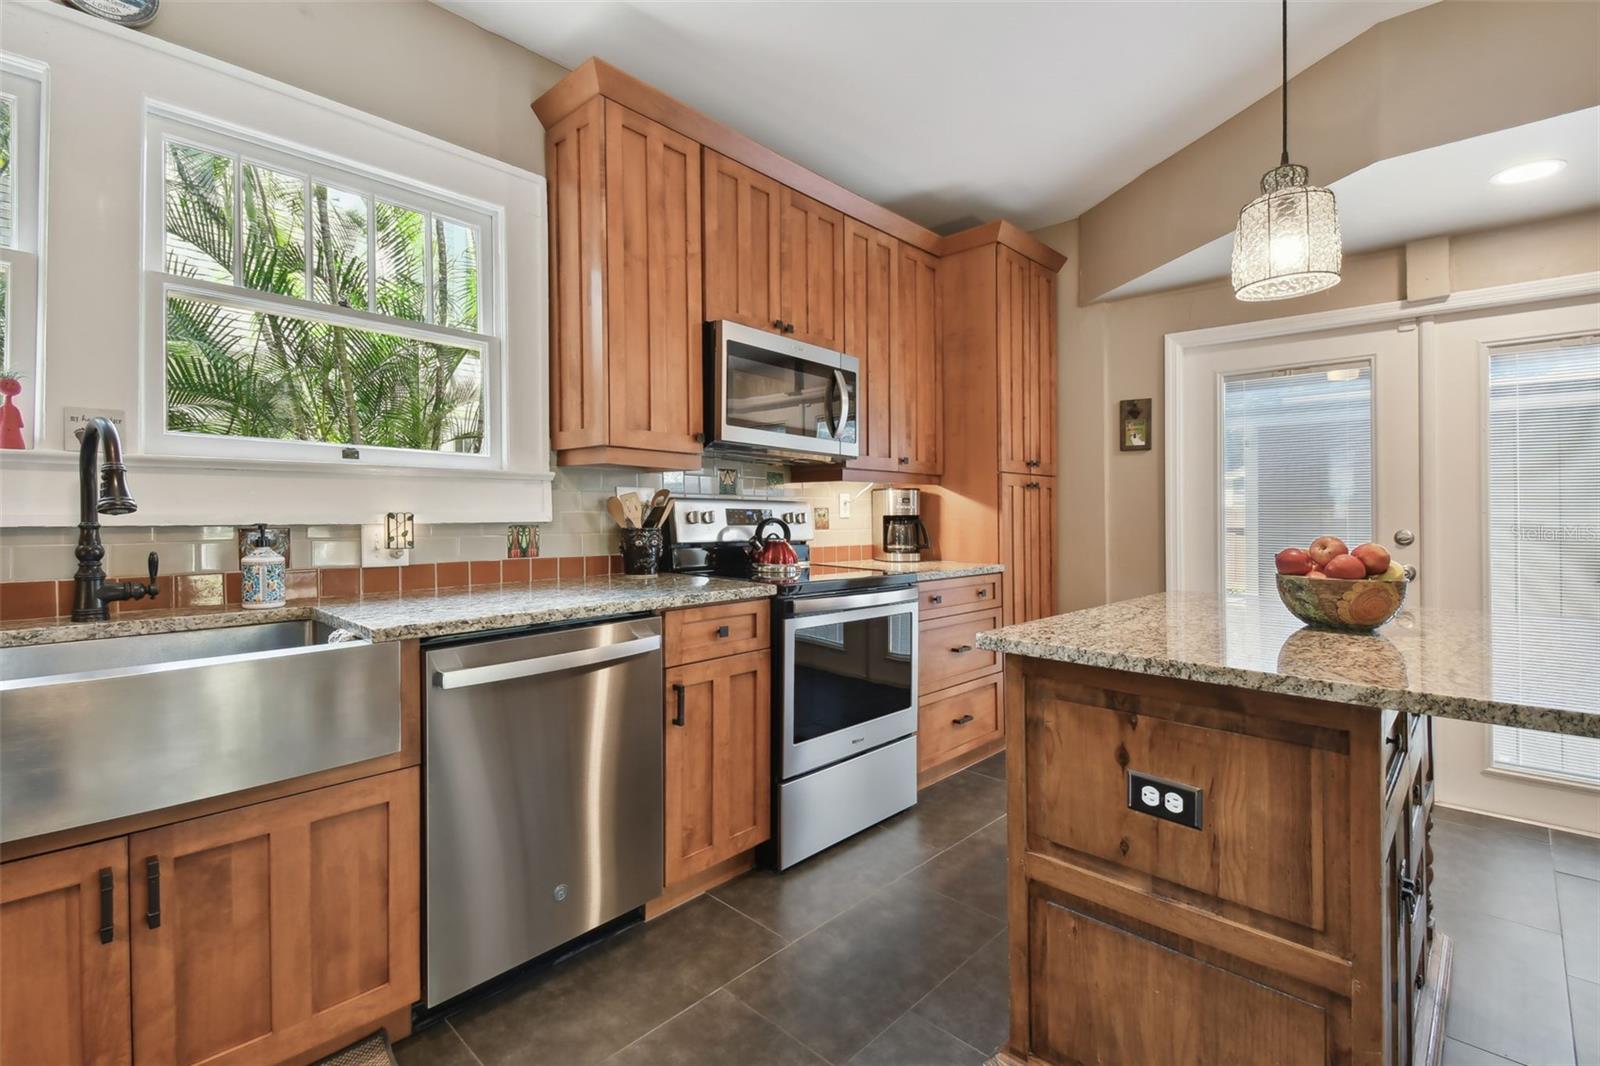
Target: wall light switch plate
x: 1170, y: 801
x: 844, y: 505
x: 373, y: 552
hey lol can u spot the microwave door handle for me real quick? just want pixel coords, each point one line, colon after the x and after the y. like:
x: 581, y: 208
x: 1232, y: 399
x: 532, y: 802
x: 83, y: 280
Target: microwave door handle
x: 841, y: 385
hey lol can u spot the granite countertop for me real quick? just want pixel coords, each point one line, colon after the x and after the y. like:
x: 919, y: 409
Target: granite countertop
x: 421, y: 614
x: 928, y: 570
x: 1451, y: 664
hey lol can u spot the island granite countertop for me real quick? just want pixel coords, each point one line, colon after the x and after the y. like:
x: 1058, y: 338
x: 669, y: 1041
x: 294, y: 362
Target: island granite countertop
x: 436, y: 613
x: 927, y: 570
x: 1427, y: 660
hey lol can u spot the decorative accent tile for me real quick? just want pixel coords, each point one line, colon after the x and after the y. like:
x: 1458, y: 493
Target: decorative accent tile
x: 281, y: 542
x: 522, y: 542
x: 820, y: 519
x: 200, y: 590
x: 727, y: 481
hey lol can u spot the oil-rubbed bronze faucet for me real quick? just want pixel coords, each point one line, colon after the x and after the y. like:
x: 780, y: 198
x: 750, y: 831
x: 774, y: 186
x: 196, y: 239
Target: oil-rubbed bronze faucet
x: 91, y: 590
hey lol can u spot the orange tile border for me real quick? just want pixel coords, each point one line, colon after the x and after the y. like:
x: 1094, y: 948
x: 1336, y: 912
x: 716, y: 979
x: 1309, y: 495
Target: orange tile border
x: 569, y: 568
x: 483, y: 572
x: 377, y: 580
x: 516, y: 571
x: 450, y: 575
x: 28, y: 599
x: 418, y: 577
x: 596, y: 565
x: 543, y: 569
x: 339, y: 582
x: 300, y: 584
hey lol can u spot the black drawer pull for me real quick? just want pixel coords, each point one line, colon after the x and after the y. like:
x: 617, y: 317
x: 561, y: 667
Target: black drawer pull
x: 677, y: 719
x: 108, y: 925
x: 152, y: 877
x: 722, y: 631
x: 936, y: 599
x: 962, y: 650
x: 963, y: 720
x: 983, y: 594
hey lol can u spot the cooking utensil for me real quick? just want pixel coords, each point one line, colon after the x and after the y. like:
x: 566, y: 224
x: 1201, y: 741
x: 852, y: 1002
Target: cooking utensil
x: 633, y: 507
x: 666, y: 513
x: 618, y: 512
x: 658, y: 508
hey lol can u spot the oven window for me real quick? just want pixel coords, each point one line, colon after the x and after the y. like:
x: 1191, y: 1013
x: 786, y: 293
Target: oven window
x: 778, y: 393
x: 849, y: 673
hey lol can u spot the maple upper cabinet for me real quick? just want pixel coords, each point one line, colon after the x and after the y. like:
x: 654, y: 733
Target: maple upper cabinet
x: 871, y: 272
x: 740, y: 212
x: 262, y: 933
x: 916, y: 420
x: 810, y: 270
x: 1026, y: 347
x: 625, y: 289
x: 64, y: 957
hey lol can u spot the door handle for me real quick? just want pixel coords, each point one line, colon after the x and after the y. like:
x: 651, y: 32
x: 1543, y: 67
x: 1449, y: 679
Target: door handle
x: 1404, y: 537
x: 962, y: 650
x: 963, y: 720
x: 152, y: 903
x: 678, y: 690
x: 108, y: 924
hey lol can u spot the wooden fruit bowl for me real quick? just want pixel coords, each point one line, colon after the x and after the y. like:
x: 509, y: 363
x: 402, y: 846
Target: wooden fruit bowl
x: 1359, y: 606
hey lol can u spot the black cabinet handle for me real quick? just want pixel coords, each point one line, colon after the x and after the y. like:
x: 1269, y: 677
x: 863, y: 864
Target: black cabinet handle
x: 963, y: 720
x: 961, y: 650
x: 108, y: 925
x: 777, y: 324
x: 936, y: 599
x: 983, y: 594
x: 152, y: 878
x: 905, y: 460
x: 788, y: 327
x: 722, y: 631
x: 677, y: 719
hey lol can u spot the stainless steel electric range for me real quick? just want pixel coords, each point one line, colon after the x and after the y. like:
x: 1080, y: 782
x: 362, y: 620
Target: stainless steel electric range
x: 844, y: 675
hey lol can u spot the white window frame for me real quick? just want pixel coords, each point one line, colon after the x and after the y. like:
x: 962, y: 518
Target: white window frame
x: 27, y: 84
x: 166, y: 124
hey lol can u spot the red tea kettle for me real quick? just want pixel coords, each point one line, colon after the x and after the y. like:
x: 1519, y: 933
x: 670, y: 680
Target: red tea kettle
x: 772, y: 553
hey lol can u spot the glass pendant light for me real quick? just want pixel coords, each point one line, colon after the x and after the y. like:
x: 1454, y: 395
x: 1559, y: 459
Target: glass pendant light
x: 1287, y: 241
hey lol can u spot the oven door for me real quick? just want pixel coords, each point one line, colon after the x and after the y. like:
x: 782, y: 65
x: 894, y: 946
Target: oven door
x: 848, y: 676
x: 782, y: 395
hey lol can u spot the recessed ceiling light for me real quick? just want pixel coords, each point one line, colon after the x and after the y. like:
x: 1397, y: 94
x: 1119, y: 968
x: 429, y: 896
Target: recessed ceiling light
x: 1539, y: 168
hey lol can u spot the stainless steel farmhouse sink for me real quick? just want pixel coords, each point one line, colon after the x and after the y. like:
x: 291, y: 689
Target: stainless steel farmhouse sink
x: 98, y: 729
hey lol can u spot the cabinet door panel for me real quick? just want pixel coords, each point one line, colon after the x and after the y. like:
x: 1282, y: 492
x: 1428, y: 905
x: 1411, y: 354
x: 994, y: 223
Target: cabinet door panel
x: 654, y: 284
x: 574, y: 158
x: 1027, y: 546
x: 1014, y: 361
x: 1043, y: 283
x: 871, y: 272
x: 741, y: 243
x: 719, y: 792
x: 811, y: 270
x: 916, y: 413
x: 64, y: 990
x: 281, y: 926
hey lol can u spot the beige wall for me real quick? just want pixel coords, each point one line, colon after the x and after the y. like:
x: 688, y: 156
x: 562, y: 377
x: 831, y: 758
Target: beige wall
x: 1439, y: 74
x: 408, y: 61
x: 1111, y: 527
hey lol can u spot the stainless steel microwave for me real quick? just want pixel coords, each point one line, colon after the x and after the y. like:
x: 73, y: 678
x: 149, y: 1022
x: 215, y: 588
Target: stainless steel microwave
x: 780, y: 396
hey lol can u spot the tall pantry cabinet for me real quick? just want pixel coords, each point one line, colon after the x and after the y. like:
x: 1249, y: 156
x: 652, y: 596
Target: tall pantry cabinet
x: 997, y: 499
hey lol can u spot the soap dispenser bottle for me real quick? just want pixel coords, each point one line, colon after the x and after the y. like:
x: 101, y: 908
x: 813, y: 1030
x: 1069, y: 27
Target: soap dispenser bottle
x: 262, y: 582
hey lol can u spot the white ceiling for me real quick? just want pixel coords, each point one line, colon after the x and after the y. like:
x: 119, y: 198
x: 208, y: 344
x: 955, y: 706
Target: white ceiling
x: 1435, y: 191
x: 952, y: 113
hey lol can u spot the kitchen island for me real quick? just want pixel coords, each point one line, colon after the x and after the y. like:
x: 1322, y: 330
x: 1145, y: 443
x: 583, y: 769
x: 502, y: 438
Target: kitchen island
x: 1219, y: 827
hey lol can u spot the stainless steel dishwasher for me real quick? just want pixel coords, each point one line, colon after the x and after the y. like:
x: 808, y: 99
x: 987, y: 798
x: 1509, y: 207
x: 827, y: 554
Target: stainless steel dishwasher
x: 544, y: 793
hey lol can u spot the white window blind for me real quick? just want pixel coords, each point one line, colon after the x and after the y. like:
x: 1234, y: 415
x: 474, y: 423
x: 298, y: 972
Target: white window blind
x: 1296, y: 463
x: 1544, y: 544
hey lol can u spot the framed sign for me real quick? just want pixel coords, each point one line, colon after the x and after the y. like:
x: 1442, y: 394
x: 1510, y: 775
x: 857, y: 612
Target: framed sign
x: 1133, y: 420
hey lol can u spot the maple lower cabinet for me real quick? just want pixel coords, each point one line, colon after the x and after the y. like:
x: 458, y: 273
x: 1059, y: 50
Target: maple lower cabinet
x: 959, y: 718
x: 626, y: 290
x: 740, y: 215
x: 1027, y: 546
x: 810, y: 270
x: 718, y: 761
x: 64, y: 977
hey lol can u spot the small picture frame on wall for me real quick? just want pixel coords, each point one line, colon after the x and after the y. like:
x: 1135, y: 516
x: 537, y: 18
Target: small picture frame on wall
x: 1133, y: 421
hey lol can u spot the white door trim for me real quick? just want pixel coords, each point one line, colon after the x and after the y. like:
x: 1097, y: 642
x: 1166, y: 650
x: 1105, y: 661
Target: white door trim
x: 1180, y: 345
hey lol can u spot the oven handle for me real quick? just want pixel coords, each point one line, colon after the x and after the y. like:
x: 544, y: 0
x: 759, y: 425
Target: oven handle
x: 835, y: 604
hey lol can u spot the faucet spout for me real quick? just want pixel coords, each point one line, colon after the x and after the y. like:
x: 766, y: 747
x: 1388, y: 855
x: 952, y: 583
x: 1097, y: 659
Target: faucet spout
x: 91, y: 591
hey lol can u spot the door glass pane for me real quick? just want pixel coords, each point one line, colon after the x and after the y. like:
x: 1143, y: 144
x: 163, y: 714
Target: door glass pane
x: 1544, y: 545
x: 1296, y: 463
x: 849, y: 673
x: 778, y: 393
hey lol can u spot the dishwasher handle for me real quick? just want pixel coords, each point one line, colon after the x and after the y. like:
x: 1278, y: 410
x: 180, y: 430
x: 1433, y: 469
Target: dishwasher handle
x: 466, y: 677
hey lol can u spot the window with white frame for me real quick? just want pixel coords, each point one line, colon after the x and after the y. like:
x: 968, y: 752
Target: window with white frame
x: 307, y: 308
x: 1544, y: 545
x: 22, y: 140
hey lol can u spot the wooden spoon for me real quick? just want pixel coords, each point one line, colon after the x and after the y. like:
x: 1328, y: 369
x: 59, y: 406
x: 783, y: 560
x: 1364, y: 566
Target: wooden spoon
x: 633, y: 507
x: 658, y: 509
x: 618, y: 512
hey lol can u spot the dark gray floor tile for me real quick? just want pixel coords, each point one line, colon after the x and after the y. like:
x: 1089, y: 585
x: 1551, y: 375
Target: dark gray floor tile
x: 994, y: 766
x: 974, y: 1002
x: 437, y: 1045
x: 609, y: 995
x: 973, y: 872
x: 1484, y: 821
x: 950, y: 811
x: 717, y: 1031
x: 910, y: 1041
x: 1507, y: 989
x: 1576, y: 854
x: 804, y: 896
x: 1580, y: 924
x: 841, y: 985
x: 1502, y: 874
x: 1585, y: 997
x: 1458, y: 1054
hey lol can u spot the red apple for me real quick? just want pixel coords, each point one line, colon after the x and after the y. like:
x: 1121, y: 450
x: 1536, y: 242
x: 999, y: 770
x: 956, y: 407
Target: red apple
x: 1324, y: 548
x: 1292, y: 561
x: 1346, y: 567
x: 1375, y: 557
x: 1318, y: 574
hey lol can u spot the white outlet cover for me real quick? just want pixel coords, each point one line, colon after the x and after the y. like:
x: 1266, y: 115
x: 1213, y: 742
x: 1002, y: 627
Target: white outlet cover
x: 1174, y: 803
x: 1150, y: 796
x: 844, y: 505
x: 373, y: 553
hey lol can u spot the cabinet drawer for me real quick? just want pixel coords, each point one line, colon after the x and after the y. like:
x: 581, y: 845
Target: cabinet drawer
x: 957, y: 719
x: 948, y: 650
x: 939, y: 598
x: 699, y: 633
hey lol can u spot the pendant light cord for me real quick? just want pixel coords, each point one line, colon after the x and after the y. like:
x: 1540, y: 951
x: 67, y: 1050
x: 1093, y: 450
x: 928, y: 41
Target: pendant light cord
x: 1285, y: 160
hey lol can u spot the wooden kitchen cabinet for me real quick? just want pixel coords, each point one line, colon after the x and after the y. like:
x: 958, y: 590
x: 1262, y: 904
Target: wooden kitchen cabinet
x: 810, y: 270
x: 741, y: 243
x: 718, y: 761
x: 1028, y: 546
x: 64, y: 964
x: 916, y: 417
x: 265, y: 933
x: 1026, y: 347
x: 959, y: 687
x: 871, y: 274
x: 625, y: 290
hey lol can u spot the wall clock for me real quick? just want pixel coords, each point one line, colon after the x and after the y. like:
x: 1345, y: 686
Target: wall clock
x: 122, y: 12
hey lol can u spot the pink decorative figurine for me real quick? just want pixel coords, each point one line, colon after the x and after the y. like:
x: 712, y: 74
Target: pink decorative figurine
x: 10, y: 416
